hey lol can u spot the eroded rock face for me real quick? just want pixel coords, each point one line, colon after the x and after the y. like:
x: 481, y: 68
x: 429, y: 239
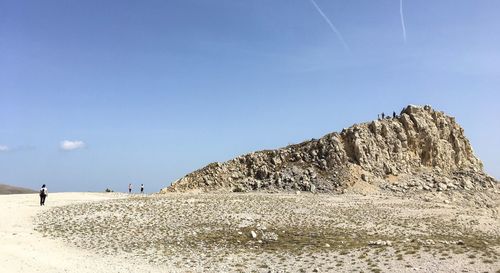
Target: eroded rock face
x: 421, y: 149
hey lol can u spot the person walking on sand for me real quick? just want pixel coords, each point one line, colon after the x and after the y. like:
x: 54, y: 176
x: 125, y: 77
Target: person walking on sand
x: 43, y: 194
x: 142, y: 188
x: 129, y: 188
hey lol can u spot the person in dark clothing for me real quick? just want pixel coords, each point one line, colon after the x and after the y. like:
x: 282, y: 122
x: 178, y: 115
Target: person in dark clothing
x: 393, y: 114
x: 43, y: 194
x: 129, y: 188
x: 383, y: 115
x: 142, y: 188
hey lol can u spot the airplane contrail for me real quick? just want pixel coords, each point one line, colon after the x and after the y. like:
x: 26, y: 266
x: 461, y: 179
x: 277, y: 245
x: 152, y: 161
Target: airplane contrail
x: 332, y: 26
x: 402, y: 19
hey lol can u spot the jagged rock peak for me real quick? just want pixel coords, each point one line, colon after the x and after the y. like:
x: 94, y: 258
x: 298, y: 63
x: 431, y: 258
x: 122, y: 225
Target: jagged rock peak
x: 419, y: 149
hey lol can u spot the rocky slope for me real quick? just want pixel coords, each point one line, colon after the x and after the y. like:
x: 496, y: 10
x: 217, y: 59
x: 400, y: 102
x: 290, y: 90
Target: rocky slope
x: 420, y: 149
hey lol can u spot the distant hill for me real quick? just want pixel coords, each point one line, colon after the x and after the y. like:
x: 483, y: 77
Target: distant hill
x: 7, y: 189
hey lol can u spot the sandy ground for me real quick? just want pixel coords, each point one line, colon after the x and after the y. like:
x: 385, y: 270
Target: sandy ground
x: 97, y: 232
x: 22, y: 249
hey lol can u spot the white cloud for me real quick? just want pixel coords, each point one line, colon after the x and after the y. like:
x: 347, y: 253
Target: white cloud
x: 69, y: 145
x: 4, y: 148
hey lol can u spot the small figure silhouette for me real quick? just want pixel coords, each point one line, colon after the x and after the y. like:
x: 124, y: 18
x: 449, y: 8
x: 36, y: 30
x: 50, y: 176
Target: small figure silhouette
x: 43, y: 194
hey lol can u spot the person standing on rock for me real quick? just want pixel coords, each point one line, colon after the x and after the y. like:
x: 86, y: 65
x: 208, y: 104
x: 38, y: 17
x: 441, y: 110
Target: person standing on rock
x: 43, y: 194
x: 393, y: 114
x: 383, y: 115
x: 142, y: 188
x: 130, y: 188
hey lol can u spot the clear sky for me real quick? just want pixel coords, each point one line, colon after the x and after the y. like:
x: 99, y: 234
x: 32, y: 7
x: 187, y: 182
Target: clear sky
x: 147, y: 91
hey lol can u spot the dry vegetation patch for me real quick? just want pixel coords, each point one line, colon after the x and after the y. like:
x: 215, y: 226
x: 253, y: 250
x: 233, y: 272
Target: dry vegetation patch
x: 282, y: 232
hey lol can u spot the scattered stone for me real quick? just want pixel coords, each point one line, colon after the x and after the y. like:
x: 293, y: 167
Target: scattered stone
x: 380, y: 243
x: 203, y: 228
x: 429, y: 242
x: 270, y: 236
x: 442, y: 186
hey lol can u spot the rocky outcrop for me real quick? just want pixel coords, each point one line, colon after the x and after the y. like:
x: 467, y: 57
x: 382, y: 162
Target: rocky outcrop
x: 420, y: 149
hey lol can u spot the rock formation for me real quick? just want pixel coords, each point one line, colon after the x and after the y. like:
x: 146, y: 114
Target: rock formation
x: 421, y: 149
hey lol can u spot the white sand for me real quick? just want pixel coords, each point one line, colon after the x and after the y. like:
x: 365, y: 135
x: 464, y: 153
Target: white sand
x: 24, y: 250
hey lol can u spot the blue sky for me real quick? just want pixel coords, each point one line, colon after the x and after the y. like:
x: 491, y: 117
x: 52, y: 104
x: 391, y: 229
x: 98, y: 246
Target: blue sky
x: 156, y: 89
